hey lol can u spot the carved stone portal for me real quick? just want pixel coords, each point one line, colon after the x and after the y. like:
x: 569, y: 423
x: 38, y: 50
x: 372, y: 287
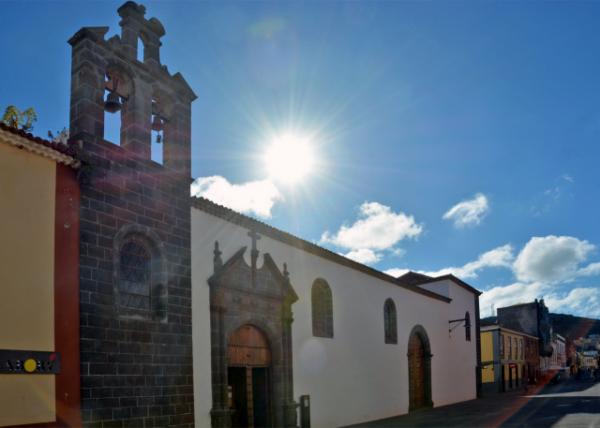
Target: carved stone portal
x: 242, y: 295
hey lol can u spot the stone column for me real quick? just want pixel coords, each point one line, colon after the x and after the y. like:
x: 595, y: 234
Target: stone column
x: 136, y: 119
x: 220, y: 414
x: 290, y: 407
x: 87, y: 84
x: 177, y: 150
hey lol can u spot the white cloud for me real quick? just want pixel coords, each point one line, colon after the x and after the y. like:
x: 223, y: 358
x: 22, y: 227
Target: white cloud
x: 584, y: 301
x: 364, y: 255
x: 396, y: 272
x: 469, y: 212
x: 256, y: 197
x: 498, y: 257
x: 500, y: 296
x: 378, y: 228
x: 568, y: 178
x: 553, y: 259
x: 590, y: 270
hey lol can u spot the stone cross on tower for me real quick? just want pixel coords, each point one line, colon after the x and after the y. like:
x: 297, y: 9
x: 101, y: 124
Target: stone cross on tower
x: 254, y: 254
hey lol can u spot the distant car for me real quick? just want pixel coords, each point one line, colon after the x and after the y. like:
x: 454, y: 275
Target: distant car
x: 558, y: 376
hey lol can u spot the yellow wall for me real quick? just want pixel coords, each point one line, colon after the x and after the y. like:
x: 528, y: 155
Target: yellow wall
x: 487, y: 354
x: 27, y: 198
x: 516, y: 356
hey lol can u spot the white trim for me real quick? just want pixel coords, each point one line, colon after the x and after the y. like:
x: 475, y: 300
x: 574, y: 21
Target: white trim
x: 37, y: 148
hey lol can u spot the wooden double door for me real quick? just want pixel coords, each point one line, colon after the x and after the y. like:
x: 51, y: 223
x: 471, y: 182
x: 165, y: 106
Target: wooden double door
x: 249, y: 378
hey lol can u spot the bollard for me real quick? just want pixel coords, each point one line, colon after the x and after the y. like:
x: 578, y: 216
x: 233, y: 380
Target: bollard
x: 305, y: 411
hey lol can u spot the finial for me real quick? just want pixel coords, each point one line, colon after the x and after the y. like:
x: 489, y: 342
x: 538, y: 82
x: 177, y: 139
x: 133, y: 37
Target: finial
x: 218, y: 262
x: 286, y: 274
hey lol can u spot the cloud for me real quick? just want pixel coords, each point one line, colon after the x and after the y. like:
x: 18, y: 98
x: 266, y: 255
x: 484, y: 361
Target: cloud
x: 590, y: 270
x: 396, y: 272
x: 500, y: 296
x: 560, y: 192
x: 364, y: 255
x: 584, y: 301
x: 378, y: 228
x: 256, y: 197
x: 568, y: 178
x: 498, y: 257
x: 469, y: 212
x: 554, y: 259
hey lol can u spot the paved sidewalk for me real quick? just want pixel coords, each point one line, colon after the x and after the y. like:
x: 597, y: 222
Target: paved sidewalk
x: 570, y: 404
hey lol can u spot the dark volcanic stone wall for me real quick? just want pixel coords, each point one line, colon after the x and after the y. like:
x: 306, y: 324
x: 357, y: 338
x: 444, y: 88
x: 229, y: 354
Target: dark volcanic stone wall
x: 135, y: 371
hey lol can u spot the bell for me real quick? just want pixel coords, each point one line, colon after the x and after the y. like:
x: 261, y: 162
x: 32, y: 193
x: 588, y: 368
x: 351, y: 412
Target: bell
x: 112, y: 103
x: 157, y: 123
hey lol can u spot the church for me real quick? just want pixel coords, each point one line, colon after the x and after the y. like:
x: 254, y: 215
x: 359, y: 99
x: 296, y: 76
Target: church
x: 191, y: 314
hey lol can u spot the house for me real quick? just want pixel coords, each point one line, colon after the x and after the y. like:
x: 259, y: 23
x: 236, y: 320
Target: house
x: 39, y: 308
x: 505, y: 358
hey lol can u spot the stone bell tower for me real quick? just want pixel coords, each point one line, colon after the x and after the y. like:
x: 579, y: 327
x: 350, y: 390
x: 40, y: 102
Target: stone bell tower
x: 135, y: 275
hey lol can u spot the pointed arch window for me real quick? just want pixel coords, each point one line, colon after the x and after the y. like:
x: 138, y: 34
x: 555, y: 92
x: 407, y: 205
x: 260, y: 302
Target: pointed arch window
x: 467, y: 327
x: 322, y: 309
x: 389, y: 322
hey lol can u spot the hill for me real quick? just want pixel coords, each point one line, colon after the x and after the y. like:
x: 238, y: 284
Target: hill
x: 569, y: 326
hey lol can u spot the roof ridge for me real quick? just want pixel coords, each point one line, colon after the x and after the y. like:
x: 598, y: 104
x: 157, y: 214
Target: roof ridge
x: 65, y: 149
x: 243, y: 220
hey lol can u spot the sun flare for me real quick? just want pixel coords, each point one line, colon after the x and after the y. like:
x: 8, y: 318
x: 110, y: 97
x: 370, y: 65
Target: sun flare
x: 289, y: 158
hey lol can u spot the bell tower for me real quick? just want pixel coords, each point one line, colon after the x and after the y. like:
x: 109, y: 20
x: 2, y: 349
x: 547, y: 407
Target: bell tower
x: 134, y: 266
x: 107, y: 76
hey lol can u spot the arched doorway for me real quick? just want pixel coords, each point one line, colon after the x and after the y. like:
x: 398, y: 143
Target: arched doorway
x: 249, y: 377
x: 419, y: 369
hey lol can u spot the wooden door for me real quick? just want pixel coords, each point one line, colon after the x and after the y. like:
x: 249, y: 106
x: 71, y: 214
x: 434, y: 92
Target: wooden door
x: 416, y: 372
x: 249, y: 358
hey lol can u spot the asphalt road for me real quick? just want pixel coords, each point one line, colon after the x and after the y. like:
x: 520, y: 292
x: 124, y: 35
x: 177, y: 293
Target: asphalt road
x: 568, y: 404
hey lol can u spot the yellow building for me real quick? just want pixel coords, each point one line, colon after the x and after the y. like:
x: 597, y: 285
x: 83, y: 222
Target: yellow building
x: 39, y: 307
x: 503, y: 358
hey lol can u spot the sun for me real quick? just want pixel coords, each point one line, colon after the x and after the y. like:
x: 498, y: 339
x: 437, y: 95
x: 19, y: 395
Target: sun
x: 289, y: 158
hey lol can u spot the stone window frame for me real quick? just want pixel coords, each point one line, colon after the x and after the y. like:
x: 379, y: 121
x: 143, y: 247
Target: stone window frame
x: 467, y: 326
x: 157, y: 281
x: 322, y: 309
x: 390, y: 323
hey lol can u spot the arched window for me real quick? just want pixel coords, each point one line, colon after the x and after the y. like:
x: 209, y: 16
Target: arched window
x: 322, y: 309
x: 140, y: 286
x: 468, y: 327
x: 389, y: 322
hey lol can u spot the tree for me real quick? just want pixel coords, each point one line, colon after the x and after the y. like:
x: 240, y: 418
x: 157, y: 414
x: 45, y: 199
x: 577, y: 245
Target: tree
x: 18, y: 119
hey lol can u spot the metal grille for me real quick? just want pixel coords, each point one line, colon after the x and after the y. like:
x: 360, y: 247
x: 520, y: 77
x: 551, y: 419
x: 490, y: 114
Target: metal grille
x: 135, y: 263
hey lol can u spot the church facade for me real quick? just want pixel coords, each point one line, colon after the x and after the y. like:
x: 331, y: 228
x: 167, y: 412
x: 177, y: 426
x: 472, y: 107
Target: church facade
x: 193, y: 314
x: 359, y: 344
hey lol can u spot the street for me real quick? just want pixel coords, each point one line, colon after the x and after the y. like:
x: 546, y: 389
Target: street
x: 568, y: 404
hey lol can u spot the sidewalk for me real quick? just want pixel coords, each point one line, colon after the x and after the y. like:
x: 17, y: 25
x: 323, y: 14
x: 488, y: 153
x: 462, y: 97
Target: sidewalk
x: 568, y: 404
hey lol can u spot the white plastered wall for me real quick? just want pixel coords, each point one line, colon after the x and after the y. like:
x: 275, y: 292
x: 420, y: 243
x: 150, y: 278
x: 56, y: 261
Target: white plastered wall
x: 355, y: 376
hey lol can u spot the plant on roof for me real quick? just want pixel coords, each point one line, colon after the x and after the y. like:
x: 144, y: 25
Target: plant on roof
x: 18, y: 119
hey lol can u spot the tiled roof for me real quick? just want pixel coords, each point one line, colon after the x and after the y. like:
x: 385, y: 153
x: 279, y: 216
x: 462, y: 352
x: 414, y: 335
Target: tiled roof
x: 231, y: 216
x: 420, y: 279
x: 60, y: 152
x: 414, y: 278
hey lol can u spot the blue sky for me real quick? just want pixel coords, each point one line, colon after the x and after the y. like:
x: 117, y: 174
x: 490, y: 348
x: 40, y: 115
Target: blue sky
x: 413, y: 108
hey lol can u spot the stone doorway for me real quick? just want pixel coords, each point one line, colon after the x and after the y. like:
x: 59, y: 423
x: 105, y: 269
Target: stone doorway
x: 419, y: 370
x: 249, y: 378
x: 251, y: 342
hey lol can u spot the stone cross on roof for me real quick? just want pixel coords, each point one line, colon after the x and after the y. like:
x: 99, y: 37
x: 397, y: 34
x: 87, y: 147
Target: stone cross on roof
x: 254, y: 253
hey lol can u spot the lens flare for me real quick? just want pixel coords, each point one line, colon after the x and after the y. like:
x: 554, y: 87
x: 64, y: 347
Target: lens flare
x: 289, y: 158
